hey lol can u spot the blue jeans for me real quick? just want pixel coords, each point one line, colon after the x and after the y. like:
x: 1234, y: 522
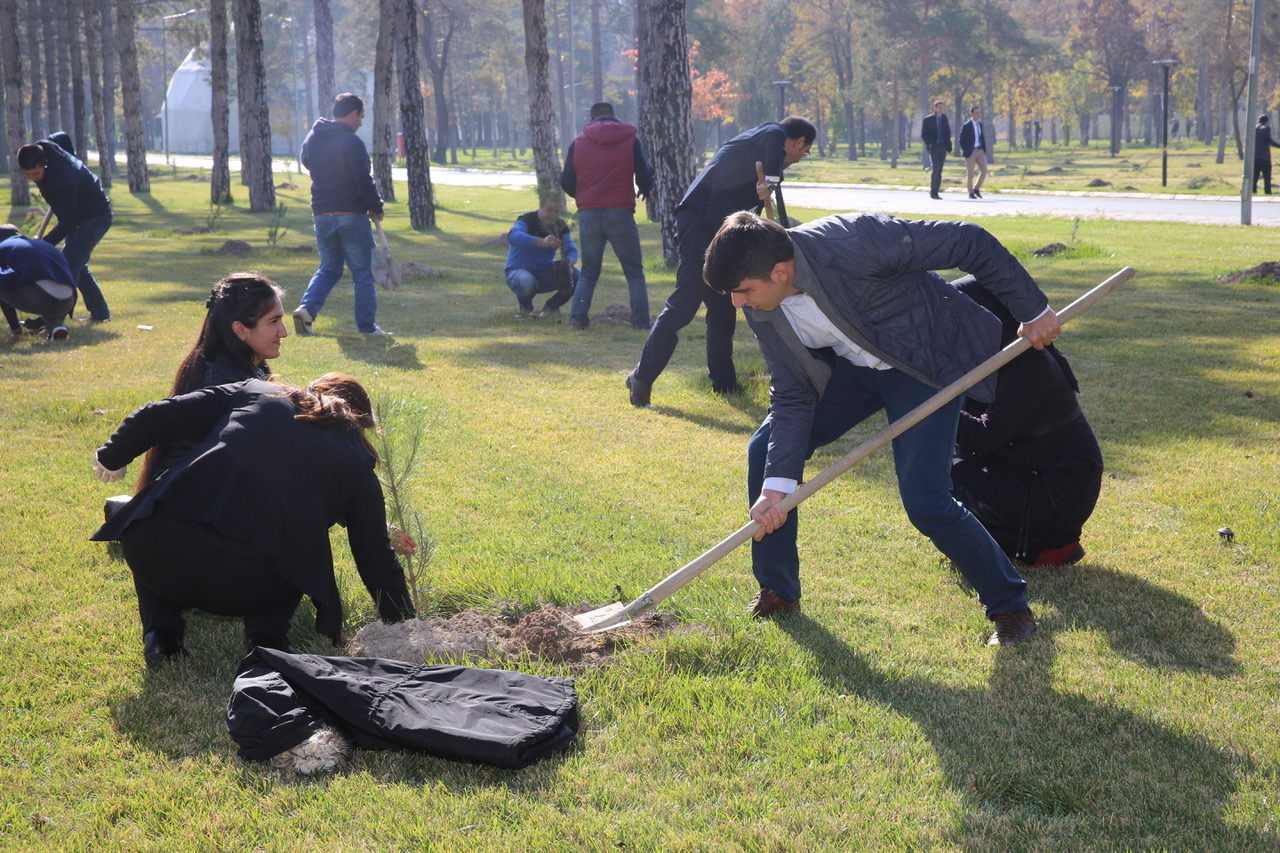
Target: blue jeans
x: 526, y: 284
x: 617, y: 227
x: 345, y: 239
x: 77, y: 248
x: 691, y: 293
x: 922, y: 459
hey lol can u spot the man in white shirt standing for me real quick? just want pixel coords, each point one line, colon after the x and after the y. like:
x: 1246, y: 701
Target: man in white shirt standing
x: 974, y: 147
x: 852, y: 319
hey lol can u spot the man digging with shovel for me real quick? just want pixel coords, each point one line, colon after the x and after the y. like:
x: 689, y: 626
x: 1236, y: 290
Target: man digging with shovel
x: 852, y: 319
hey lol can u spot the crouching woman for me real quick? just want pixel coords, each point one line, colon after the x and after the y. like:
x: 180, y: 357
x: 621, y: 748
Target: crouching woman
x: 239, y: 526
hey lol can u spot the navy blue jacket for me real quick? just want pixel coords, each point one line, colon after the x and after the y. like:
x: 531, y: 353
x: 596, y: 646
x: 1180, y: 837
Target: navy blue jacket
x: 873, y: 276
x: 71, y: 190
x: 727, y: 183
x: 340, y: 170
x: 24, y: 262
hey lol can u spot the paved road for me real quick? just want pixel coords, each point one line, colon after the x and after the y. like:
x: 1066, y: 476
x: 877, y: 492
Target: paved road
x: 915, y: 201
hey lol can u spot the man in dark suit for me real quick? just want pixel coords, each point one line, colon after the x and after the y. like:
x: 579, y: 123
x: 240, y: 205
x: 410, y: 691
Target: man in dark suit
x: 935, y: 130
x: 851, y: 319
x: 1262, y: 145
x: 726, y: 185
x: 974, y: 147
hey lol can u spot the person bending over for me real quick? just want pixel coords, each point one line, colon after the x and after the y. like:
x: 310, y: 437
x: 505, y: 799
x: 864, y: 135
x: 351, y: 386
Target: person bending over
x: 852, y: 319
x: 1029, y: 465
x: 239, y: 526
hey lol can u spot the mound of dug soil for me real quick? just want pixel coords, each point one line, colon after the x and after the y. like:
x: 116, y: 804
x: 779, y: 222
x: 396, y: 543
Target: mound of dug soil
x: 475, y: 638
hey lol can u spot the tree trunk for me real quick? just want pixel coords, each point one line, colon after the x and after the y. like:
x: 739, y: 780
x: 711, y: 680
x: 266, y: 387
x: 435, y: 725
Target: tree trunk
x: 384, y: 152
x: 597, y: 64
x: 65, y: 80
x: 53, y: 95
x: 35, y: 86
x: 93, y: 49
x: 11, y: 79
x: 422, y: 206
x: 666, y: 112
x: 255, y: 118
x: 438, y: 65
x: 108, y: 90
x: 542, y: 114
x: 326, y: 88
x: 220, y: 103
x: 76, y: 28
x: 131, y: 96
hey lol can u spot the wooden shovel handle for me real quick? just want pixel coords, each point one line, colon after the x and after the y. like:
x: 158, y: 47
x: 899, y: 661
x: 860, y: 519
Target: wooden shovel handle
x: 768, y: 201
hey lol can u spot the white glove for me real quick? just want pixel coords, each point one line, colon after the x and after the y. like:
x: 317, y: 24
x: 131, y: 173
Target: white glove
x: 105, y: 474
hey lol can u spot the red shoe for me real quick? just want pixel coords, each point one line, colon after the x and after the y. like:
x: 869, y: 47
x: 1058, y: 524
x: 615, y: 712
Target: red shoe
x: 1072, y: 552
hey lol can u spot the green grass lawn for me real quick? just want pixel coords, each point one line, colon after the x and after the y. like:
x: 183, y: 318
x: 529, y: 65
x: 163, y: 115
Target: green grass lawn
x: 1143, y: 716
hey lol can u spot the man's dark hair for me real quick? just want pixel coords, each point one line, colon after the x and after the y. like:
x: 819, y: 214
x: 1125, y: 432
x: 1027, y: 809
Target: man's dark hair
x: 346, y: 104
x: 973, y: 108
x: 32, y: 155
x: 746, y: 246
x: 799, y: 128
x: 1264, y: 119
x: 8, y: 230
x: 604, y: 108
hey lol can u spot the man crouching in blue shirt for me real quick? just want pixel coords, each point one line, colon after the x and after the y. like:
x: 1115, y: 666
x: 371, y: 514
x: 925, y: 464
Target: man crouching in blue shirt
x: 533, y: 242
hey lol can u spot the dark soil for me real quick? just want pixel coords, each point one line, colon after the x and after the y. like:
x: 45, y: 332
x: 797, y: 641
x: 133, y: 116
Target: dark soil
x: 476, y: 638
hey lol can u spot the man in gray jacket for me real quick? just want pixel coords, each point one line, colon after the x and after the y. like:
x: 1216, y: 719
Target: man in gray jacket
x: 852, y: 319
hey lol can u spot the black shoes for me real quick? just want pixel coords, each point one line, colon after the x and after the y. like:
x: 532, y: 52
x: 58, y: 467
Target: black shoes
x: 935, y: 196
x: 638, y: 391
x: 159, y: 646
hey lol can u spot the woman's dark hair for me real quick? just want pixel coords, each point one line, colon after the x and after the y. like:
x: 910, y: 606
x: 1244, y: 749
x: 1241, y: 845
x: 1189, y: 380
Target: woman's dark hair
x: 336, y: 400
x: 242, y: 296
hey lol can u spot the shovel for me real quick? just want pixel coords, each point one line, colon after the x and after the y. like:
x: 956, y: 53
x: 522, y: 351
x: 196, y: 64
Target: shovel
x: 768, y: 201
x: 617, y: 615
x: 44, y: 224
x: 386, y: 271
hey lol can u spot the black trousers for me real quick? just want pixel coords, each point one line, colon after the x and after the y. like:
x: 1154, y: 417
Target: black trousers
x: 1263, y: 168
x: 179, y: 564
x: 690, y: 293
x: 937, y: 156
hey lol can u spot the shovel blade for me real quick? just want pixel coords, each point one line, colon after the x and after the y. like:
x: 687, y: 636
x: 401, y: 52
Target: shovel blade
x: 603, y: 618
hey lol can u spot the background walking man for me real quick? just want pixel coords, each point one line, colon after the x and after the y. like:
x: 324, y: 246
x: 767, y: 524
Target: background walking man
x: 343, y: 197
x: 973, y: 145
x: 935, y: 130
x: 598, y: 171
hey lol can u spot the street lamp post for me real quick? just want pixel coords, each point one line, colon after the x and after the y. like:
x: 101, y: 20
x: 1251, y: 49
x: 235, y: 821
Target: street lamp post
x: 164, y: 57
x: 782, y: 97
x: 1166, y: 64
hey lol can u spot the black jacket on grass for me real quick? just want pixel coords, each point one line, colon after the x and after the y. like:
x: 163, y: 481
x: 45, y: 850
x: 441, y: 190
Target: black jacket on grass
x: 490, y: 716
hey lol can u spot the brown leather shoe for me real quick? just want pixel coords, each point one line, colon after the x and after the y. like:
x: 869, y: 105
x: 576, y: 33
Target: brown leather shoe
x: 1012, y: 628
x: 768, y: 604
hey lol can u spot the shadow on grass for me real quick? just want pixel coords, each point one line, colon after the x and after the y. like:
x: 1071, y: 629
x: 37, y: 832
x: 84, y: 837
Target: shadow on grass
x: 381, y: 351
x: 1041, y: 768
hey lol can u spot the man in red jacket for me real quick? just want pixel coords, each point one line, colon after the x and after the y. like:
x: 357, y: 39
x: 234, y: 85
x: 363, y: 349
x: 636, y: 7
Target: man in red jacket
x: 598, y: 171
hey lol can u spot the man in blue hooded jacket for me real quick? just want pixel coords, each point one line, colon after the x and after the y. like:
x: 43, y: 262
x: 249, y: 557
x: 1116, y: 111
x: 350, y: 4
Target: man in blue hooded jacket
x: 343, y: 198
x: 78, y: 201
x: 34, y: 277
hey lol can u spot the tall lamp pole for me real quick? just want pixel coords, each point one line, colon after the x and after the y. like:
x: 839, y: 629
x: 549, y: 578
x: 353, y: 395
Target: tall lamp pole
x: 164, y: 57
x: 782, y: 97
x: 1166, y: 64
